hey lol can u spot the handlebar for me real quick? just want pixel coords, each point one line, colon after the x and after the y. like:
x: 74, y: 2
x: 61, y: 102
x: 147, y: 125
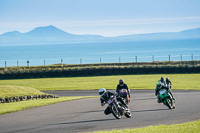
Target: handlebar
x: 115, y: 94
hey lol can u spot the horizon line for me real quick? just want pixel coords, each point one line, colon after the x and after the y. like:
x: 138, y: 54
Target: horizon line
x: 97, y: 34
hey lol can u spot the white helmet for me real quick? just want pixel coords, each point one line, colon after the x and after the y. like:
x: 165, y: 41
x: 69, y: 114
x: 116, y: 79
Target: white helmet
x: 102, y: 91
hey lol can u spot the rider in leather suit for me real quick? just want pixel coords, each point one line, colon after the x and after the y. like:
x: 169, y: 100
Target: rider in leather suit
x: 105, y: 96
x: 159, y: 85
x: 169, y: 83
x: 122, y: 85
x: 163, y: 84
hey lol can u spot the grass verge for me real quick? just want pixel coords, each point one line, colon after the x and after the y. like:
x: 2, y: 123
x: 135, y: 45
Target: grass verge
x: 188, y: 127
x: 23, y: 105
x: 11, y: 91
x: 180, y: 81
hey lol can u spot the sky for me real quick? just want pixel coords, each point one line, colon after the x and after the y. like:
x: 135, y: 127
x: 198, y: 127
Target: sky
x: 100, y: 17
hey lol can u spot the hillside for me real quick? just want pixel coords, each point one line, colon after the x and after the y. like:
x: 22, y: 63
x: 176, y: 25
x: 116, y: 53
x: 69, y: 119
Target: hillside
x: 52, y: 35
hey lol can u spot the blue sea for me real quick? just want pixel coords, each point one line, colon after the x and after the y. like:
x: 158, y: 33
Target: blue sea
x: 85, y: 53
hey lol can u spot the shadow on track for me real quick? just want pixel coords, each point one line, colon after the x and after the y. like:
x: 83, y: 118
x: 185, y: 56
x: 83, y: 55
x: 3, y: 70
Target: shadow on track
x: 89, y: 121
x: 145, y: 99
x: 94, y: 111
x: 149, y: 110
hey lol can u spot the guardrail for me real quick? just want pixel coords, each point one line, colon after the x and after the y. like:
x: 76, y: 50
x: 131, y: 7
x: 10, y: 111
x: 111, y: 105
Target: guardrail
x: 101, y: 60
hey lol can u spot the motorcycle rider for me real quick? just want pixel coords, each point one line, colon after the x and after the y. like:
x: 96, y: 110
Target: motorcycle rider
x: 105, y: 96
x: 122, y: 85
x: 169, y: 83
x: 160, y: 85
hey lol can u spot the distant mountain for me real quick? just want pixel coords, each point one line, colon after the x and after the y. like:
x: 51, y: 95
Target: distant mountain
x: 49, y: 31
x: 45, y: 35
x: 12, y: 34
x: 187, y: 34
x: 191, y: 31
x: 53, y: 35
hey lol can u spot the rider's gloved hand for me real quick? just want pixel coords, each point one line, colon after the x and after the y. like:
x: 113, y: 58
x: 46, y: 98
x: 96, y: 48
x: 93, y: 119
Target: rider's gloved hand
x: 115, y: 94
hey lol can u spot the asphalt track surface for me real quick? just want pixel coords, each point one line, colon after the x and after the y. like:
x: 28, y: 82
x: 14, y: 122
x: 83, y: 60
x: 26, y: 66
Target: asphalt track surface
x: 87, y: 114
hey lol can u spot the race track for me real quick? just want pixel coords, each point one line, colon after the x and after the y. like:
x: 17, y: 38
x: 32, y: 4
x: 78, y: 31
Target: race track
x: 87, y: 114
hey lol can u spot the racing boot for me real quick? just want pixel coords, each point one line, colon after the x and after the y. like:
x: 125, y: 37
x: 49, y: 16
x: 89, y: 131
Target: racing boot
x: 159, y: 101
x: 172, y: 96
x: 127, y: 108
x: 173, y: 99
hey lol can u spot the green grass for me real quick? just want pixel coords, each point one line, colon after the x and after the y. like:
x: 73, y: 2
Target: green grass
x: 189, y: 127
x: 23, y: 105
x: 180, y: 81
x: 11, y: 91
x: 26, y: 86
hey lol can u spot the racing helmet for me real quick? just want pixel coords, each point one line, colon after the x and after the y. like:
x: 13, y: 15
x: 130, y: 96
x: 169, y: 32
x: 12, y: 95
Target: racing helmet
x: 121, y: 82
x: 102, y: 91
x: 162, y: 79
x: 167, y: 79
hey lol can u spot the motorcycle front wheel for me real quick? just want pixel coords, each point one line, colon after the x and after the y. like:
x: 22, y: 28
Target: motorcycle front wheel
x: 115, y: 112
x: 169, y: 103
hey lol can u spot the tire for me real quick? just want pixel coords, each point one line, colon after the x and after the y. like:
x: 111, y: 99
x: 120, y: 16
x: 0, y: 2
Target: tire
x: 169, y: 103
x: 115, y: 112
x: 174, y: 105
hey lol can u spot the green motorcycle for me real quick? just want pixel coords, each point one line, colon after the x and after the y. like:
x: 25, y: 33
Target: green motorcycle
x: 166, y: 98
